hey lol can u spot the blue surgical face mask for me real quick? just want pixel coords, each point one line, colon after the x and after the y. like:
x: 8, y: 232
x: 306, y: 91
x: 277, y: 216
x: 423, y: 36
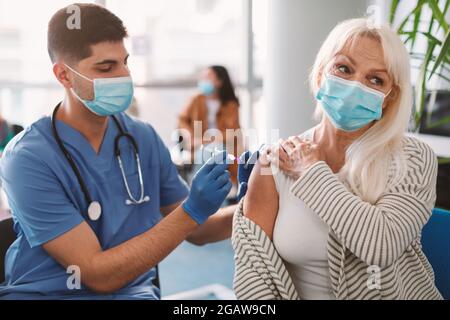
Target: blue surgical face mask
x: 206, y: 87
x: 350, y: 105
x: 111, y: 95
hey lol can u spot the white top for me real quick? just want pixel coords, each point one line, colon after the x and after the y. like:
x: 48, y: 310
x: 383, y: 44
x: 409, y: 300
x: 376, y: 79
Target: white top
x: 300, y: 237
x: 213, y: 106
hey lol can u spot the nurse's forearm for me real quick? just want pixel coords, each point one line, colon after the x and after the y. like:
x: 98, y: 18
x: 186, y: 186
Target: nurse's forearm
x: 116, y: 267
x: 217, y: 228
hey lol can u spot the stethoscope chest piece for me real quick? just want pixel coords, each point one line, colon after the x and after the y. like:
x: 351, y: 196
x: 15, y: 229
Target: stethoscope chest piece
x: 94, y: 211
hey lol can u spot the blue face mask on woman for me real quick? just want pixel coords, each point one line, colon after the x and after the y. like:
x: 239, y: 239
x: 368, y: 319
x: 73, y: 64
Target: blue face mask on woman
x: 206, y: 87
x: 350, y: 105
x: 111, y: 95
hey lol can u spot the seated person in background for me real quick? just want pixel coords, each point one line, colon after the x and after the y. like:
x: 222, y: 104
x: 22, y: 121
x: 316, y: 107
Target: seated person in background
x: 7, y: 132
x: 343, y: 217
x: 215, y: 107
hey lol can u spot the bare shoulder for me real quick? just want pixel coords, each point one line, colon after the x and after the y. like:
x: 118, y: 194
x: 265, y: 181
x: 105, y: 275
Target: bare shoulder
x: 261, y: 200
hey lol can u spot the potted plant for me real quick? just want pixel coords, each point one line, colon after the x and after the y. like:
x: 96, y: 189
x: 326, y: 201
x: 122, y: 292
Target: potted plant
x: 426, y: 23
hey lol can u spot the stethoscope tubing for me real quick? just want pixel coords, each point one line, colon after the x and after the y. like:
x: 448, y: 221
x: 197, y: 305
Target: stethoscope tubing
x: 88, y: 198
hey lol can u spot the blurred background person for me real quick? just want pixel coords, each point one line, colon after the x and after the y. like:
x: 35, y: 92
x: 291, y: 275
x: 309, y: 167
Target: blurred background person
x: 216, y: 106
x: 7, y: 132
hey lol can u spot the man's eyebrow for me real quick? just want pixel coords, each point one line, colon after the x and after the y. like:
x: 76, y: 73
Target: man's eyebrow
x: 110, y: 61
x: 107, y: 61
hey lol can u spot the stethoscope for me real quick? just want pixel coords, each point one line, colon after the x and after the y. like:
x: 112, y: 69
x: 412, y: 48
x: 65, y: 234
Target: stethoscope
x: 95, y: 208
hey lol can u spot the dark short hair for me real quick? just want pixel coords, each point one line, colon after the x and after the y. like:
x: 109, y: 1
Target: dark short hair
x: 97, y: 24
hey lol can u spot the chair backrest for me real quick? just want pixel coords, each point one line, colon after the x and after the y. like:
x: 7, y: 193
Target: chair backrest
x: 7, y: 237
x: 436, y: 246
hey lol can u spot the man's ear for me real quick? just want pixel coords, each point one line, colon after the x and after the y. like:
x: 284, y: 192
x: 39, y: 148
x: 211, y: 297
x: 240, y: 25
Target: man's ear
x: 62, y: 75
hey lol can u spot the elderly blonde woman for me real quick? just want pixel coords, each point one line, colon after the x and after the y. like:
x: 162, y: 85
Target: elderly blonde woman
x: 341, y: 212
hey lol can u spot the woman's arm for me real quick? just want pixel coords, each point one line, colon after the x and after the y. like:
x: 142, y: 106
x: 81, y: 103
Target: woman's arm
x: 261, y: 200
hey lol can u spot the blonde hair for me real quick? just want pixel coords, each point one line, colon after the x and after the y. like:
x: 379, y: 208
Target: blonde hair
x: 367, y: 159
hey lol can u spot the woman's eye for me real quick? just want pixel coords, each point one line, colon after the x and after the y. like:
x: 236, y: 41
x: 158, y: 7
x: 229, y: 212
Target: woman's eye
x: 377, y: 81
x: 343, y: 69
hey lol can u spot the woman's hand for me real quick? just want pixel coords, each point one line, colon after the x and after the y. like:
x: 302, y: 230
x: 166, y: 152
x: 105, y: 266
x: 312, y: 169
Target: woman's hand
x: 294, y: 156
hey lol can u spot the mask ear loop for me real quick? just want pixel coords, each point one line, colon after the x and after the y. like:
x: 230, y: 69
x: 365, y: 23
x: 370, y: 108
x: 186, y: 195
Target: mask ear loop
x: 79, y: 74
x: 389, y: 92
x: 82, y: 76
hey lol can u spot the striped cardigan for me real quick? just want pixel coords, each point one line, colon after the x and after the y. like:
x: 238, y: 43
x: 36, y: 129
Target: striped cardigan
x: 374, y: 251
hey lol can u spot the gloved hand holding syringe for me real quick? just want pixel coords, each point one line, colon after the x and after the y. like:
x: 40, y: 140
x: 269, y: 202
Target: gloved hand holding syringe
x: 246, y: 162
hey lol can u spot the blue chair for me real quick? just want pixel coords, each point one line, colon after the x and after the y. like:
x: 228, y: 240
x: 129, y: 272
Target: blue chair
x: 436, y: 246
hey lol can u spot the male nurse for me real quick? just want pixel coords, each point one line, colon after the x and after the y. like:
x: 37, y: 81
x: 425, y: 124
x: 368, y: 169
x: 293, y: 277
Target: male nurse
x: 115, y: 244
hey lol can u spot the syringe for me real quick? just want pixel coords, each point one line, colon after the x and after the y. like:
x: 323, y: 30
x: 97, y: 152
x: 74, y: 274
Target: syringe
x: 216, y: 150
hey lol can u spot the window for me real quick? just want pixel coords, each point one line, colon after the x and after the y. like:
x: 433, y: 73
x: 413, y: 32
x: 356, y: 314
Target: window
x: 170, y: 42
x: 27, y: 86
x: 174, y: 39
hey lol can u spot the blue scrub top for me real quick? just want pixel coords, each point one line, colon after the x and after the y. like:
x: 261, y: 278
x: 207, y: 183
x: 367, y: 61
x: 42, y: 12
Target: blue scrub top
x: 46, y: 201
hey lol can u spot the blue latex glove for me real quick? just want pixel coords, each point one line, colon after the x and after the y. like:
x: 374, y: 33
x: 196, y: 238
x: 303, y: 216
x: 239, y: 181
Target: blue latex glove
x: 210, y: 186
x: 246, y: 163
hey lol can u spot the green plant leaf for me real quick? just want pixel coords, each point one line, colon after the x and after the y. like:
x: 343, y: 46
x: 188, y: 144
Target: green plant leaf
x: 418, y: 8
x: 436, y: 60
x: 439, y: 123
x: 430, y: 26
x: 443, y: 160
x: 421, y: 85
x: 393, y: 11
x: 440, y: 75
x: 426, y: 34
x: 438, y: 15
x: 444, y: 50
x: 431, y: 37
x: 416, y: 25
x: 447, y: 4
x: 444, y: 78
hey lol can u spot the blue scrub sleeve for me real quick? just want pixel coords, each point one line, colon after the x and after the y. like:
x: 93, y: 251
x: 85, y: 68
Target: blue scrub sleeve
x: 173, y: 188
x: 37, y: 198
